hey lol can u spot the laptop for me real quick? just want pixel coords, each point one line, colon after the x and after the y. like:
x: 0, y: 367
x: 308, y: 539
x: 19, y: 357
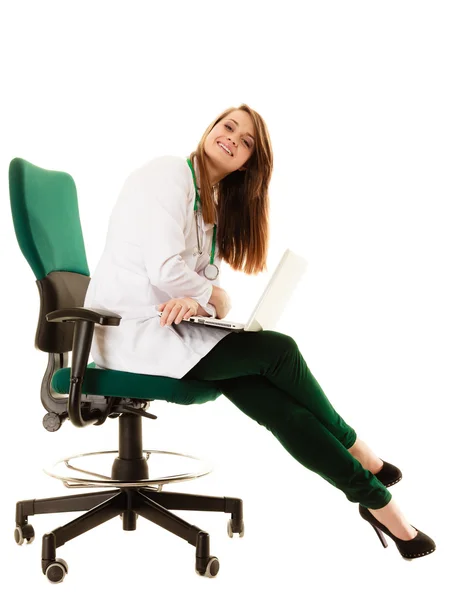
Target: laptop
x: 273, y: 300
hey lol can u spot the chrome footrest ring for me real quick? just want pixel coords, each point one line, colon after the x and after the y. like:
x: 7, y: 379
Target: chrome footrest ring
x: 99, y: 480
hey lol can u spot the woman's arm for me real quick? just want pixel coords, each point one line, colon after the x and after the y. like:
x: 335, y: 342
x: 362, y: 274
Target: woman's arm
x: 156, y: 202
x: 221, y: 301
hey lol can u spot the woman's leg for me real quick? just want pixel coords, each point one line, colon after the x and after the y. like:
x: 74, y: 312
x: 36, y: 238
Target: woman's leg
x: 276, y: 356
x: 265, y: 375
x: 305, y: 438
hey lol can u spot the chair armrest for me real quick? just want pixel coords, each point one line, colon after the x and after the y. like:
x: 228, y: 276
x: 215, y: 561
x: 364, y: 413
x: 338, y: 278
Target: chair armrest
x: 85, y: 320
x: 100, y: 316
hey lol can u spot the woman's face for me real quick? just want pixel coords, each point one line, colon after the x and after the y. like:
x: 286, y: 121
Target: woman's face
x: 236, y: 131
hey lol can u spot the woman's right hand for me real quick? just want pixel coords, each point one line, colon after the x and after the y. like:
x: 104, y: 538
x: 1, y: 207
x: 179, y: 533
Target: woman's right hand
x: 177, y: 309
x: 221, y: 301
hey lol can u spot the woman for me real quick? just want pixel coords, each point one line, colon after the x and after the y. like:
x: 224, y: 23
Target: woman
x: 175, y: 220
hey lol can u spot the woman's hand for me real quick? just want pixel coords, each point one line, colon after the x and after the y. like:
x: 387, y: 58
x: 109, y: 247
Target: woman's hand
x: 177, y: 309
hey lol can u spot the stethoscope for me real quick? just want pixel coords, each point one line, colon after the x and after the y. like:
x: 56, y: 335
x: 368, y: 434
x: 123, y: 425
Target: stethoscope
x: 211, y: 271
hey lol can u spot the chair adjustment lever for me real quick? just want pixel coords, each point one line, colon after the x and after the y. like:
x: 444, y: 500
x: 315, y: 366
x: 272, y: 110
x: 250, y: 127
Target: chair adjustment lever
x: 136, y: 411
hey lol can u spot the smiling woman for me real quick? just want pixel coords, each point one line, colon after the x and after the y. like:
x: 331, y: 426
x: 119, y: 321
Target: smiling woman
x: 152, y: 260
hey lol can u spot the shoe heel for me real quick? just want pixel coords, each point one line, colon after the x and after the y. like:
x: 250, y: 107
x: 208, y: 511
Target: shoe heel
x: 380, y: 535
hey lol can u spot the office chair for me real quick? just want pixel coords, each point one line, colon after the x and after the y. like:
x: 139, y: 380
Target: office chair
x: 46, y: 219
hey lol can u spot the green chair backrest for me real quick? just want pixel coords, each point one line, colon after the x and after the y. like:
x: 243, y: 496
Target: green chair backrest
x: 44, y: 207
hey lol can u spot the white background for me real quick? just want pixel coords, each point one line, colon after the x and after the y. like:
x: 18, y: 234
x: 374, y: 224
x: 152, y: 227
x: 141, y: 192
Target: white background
x: 355, y: 96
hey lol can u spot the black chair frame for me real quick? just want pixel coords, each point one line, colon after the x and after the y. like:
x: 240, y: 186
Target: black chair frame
x: 129, y: 501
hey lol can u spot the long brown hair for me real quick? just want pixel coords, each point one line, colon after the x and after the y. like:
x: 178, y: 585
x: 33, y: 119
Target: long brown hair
x: 242, y: 215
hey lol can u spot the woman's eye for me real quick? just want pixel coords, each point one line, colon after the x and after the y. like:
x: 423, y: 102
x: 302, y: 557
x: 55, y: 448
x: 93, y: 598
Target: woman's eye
x: 246, y: 142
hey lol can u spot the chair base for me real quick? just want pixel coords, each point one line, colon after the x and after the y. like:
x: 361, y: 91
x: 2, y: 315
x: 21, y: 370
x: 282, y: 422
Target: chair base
x: 129, y: 502
x: 105, y: 505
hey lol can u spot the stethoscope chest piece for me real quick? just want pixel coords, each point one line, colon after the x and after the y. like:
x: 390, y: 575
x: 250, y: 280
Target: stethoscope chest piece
x: 211, y: 271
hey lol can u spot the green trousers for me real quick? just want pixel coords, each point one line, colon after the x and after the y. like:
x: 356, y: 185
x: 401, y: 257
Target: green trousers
x: 265, y: 375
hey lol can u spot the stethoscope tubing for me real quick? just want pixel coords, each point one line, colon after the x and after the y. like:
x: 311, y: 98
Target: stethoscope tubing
x: 211, y: 271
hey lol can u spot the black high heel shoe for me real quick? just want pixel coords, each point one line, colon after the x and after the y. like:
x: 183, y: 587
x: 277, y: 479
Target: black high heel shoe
x: 420, y: 545
x: 389, y: 474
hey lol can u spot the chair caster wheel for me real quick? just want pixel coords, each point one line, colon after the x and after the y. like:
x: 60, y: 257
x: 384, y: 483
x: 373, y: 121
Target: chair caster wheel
x: 212, y: 567
x: 231, y: 531
x: 24, y: 533
x: 57, y: 570
x: 52, y: 421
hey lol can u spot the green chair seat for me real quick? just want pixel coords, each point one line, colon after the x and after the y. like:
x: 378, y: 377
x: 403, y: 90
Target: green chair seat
x: 107, y: 382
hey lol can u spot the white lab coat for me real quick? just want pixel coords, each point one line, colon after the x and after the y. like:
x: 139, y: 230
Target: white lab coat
x: 148, y: 259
